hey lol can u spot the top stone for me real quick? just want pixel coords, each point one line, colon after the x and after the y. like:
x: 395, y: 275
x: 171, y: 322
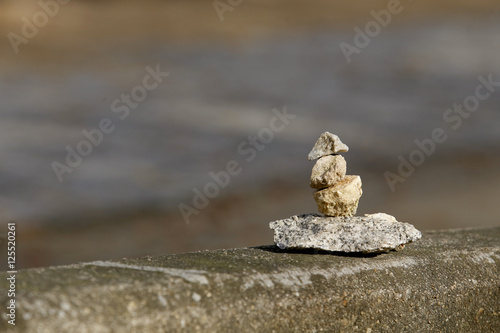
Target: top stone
x: 327, y: 144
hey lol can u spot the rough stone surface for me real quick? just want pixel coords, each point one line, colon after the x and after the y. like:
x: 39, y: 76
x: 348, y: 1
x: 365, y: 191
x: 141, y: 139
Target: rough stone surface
x: 327, y: 144
x: 327, y: 171
x: 340, y: 199
x: 446, y: 282
x: 370, y: 234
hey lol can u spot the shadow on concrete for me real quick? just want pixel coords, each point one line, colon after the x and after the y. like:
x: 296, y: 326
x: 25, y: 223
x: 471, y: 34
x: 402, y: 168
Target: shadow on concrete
x: 275, y: 249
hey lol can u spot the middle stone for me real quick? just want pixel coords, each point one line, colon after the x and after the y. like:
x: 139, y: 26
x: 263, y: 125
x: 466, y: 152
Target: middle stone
x: 327, y: 171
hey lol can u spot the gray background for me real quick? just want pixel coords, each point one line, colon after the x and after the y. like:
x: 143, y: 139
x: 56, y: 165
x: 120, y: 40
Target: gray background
x: 225, y: 79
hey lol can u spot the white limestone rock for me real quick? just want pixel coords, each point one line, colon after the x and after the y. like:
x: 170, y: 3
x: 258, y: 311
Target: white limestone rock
x: 327, y: 171
x: 382, y: 216
x: 327, y: 144
x: 340, y: 199
x: 373, y: 233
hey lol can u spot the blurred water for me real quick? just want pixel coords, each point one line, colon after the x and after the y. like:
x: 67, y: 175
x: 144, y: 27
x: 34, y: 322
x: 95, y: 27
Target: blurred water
x: 393, y: 92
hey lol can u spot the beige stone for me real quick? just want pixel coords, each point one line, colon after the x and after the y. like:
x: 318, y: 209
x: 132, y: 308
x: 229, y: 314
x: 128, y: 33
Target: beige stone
x: 384, y: 216
x: 327, y: 144
x: 327, y: 171
x: 341, y: 199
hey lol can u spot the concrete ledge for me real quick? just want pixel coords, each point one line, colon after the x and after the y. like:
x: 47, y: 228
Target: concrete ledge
x: 448, y: 281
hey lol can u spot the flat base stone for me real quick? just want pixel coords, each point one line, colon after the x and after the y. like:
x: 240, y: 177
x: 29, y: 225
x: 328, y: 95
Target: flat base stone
x: 372, y: 233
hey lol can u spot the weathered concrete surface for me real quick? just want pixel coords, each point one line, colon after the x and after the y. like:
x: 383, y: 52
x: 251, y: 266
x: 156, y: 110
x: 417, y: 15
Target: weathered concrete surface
x: 448, y: 281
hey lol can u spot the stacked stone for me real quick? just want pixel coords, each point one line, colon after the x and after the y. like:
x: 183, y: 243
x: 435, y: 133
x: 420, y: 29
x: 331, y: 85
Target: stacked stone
x: 337, y: 194
x: 337, y: 197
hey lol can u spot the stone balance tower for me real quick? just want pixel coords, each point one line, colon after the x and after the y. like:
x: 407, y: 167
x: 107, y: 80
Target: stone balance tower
x: 337, y: 196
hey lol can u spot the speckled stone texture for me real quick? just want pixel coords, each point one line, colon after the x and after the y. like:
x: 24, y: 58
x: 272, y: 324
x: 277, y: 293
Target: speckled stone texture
x: 327, y: 171
x: 340, y: 199
x: 327, y: 144
x: 373, y: 233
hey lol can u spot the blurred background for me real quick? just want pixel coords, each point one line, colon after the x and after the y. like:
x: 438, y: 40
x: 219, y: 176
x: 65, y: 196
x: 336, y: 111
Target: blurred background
x: 230, y: 64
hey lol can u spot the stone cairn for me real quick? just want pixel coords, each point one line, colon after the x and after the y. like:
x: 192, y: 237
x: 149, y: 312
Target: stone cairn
x: 337, y: 196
